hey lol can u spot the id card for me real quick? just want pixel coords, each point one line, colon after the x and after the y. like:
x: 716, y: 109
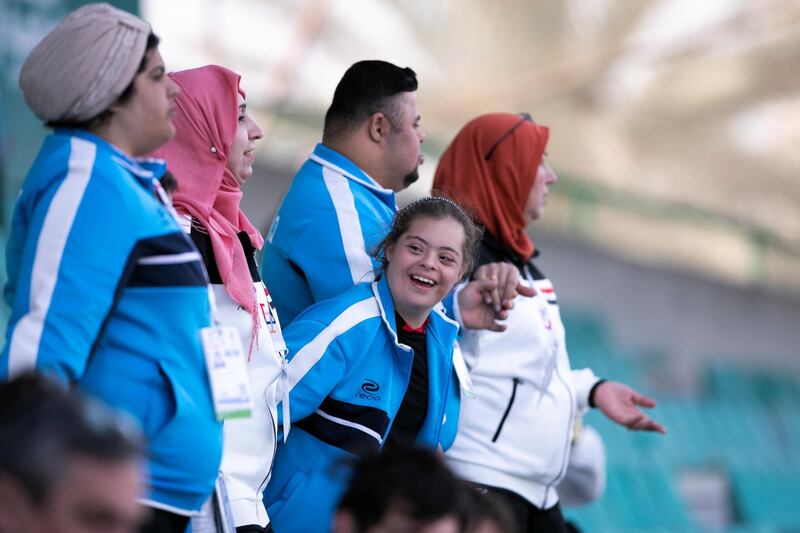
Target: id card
x: 227, y: 372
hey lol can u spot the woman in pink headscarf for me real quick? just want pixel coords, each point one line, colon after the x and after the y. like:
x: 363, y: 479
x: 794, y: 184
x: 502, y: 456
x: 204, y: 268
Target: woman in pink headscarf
x: 211, y: 156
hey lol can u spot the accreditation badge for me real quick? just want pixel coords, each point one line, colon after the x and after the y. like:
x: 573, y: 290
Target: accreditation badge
x: 227, y: 372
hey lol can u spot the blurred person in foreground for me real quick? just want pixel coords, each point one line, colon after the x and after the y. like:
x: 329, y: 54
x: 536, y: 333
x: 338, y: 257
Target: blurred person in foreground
x: 106, y: 292
x: 514, y: 435
x: 402, y: 491
x: 67, y: 463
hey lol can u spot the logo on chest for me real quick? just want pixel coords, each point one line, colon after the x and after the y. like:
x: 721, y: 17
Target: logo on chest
x: 369, y: 390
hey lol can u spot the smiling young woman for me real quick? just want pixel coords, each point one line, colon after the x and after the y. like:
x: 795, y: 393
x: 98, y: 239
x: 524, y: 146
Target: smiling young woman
x: 373, y: 368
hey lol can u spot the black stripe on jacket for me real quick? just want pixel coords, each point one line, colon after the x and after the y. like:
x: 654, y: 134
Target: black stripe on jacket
x: 329, y: 423
x: 182, y: 273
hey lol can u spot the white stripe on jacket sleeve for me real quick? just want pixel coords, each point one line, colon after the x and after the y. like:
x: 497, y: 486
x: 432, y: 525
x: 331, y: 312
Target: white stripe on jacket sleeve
x: 349, y: 225
x: 312, y: 352
x: 24, y: 344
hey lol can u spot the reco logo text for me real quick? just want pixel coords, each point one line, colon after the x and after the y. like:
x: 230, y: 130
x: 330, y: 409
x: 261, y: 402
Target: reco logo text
x: 369, y: 390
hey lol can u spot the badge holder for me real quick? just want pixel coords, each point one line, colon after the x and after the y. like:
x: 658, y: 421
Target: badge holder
x: 227, y: 368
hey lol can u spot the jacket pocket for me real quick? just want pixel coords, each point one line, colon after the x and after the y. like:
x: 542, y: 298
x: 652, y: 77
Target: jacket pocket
x: 516, y: 383
x: 288, y: 497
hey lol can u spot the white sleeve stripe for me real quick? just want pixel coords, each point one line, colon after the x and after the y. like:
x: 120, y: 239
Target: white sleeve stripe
x: 375, y: 435
x: 349, y: 226
x: 170, y: 259
x: 24, y: 345
x: 311, y: 353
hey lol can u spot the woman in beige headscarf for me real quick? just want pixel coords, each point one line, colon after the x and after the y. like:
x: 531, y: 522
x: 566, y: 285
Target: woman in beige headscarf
x: 107, y: 292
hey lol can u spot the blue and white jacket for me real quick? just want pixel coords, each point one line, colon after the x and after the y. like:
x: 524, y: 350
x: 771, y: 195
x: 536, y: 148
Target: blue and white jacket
x: 108, y: 294
x: 348, y: 375
x: 333, y: 215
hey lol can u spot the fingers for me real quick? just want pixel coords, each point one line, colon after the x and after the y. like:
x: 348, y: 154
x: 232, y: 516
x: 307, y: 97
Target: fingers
x: 485, y: 286
x: 524, y: 290
x: 641, y: 399
x: 508, y: 279
x: 489, y: 281
x: 506, y: 276
x: 645, y: 423
x: 494, y: 326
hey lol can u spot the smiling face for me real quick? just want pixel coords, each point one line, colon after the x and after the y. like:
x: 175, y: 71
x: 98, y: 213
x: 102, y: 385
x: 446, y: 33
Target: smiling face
x: 423, y: 266
x: 537, y: 198
x: 241, y: 155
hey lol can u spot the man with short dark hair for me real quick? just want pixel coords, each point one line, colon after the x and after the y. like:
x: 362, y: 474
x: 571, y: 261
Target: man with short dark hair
x: 342, y: 199
x: 67, y: 463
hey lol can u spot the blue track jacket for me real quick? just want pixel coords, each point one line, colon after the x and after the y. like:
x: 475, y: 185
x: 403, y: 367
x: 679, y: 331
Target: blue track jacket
x: 349, y: 375
x: 330, y: 219
x: 107, y: 293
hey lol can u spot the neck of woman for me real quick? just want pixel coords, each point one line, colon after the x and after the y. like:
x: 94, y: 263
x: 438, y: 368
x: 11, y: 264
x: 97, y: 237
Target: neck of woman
x: 414, y: 317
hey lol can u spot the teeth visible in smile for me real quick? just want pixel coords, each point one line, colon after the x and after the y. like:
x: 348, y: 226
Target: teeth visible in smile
x: 423, y: 280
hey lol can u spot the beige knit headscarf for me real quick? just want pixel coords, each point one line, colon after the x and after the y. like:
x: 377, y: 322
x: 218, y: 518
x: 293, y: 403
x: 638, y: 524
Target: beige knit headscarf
x: 81, y: 67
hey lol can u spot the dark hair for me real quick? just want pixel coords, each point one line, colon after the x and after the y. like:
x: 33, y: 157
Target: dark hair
x: 43, y: 426
x: 367, y: 87
x: 485, y: 507
x: 437, y: 208
x: 104, y: 116
x: 168, y: 182
x: 415, y: 481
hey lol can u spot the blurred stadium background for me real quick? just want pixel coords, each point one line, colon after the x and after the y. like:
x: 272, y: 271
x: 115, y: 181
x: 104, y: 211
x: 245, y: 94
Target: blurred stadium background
x: 673, y: 235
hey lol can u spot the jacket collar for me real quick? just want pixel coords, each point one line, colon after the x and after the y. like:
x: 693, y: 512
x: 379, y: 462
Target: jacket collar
x: 493, y: 250
x: 380, y: 289
x: 145, y: 169
x: 330, y: 158
x: 439, y: 324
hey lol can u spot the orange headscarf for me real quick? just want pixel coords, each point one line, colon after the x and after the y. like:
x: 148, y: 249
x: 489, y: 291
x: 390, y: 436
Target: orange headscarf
x: 497, y: 188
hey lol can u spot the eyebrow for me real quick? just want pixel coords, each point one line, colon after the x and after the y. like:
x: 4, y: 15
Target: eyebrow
x: 426, y: 243
x: 242, y: 108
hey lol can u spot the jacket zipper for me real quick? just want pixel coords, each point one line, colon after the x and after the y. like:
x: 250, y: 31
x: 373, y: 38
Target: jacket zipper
x: 263, y: 484
x: 517, y: 381
x: 567, y: 444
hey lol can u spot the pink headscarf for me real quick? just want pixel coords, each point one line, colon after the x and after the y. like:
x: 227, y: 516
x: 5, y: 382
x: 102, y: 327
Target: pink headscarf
x: 205, y: 121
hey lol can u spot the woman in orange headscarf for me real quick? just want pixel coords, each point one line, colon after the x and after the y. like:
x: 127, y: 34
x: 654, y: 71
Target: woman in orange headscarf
x: 514, y: 436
